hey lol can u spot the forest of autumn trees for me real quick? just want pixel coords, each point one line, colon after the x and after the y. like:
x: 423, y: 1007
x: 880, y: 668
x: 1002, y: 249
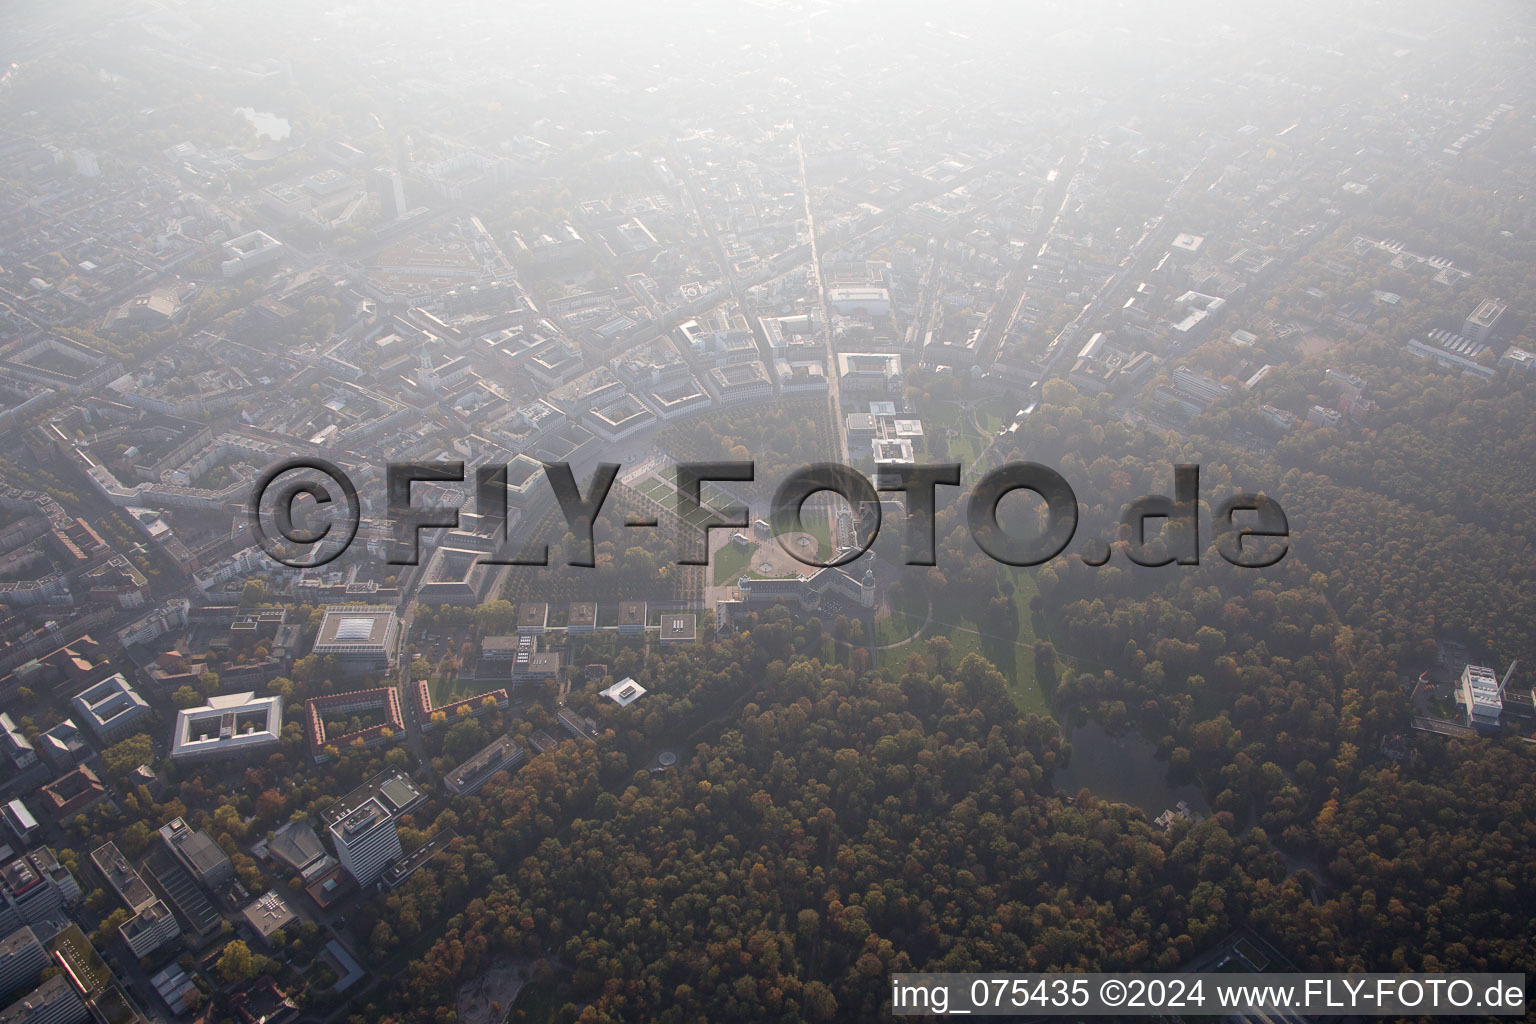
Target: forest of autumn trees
x: 840, y: 829
x: 832, y: 824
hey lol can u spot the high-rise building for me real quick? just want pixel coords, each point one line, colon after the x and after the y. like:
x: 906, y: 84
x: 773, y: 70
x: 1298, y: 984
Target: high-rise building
x: 367, y: 841
x: 1484, y: 320
x: 30, y: 890
x: 22, y: 959
x: 391, y: 188
x: 52, y: 1002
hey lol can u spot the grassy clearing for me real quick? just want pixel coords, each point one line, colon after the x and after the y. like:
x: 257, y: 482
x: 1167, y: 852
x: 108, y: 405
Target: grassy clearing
x: 1013, y: 655
x: 731, y: 562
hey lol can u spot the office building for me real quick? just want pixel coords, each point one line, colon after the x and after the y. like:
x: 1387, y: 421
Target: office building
x: 27, y: 894
x: 1480, y: 695
x: 57, y: 876
x: 1483, y: 321
x: 679, y: 628
x: 198, y: 853
x: 391, y: 188
x: 248, y: 252
x: 869, y: 372
x: 367, y: 841
x: 1518, y: 359
x: 22, y: 959
x: 150, y: 929
x: 52, y: 1002
x: 361, y: 637
x: 229, y: 724
x: 470, y: 777
x: 19, y: 819
x: 624, y: 692
x: 183, y: 895
x: 392, y: 787
x: 121, y: 876
x: 581, y: 618
x: 267, y: 916
x: 532, y: 617
x: 112, y: 710
x: 632, y: 616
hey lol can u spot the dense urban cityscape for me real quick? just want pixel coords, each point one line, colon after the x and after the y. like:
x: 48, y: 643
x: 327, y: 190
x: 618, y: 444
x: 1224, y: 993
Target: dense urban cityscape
x: 1295, y: 248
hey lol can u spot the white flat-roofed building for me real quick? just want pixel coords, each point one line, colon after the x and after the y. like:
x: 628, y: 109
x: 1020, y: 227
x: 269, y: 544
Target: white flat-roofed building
x: 267, y: 916
x: 679, y: 628
x: 367, y: 841
x: 1484, y: 320
x: 1480, y: 696
x: 19, y: 819
x: 1258, y: 377
x: 1518, y: 358
x: 111, y: 709
x: 624, y: 692
x: 232, y: 723
x: 156, y: 624
x: 1187, y: 244
x: 363, y: 637
x: 892, y: 452
x: 249, y: 251
x: 869, y: 301
x: 1199, y: 385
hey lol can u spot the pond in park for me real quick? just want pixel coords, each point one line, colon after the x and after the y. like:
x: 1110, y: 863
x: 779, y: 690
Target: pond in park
x: 1123, y: 768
